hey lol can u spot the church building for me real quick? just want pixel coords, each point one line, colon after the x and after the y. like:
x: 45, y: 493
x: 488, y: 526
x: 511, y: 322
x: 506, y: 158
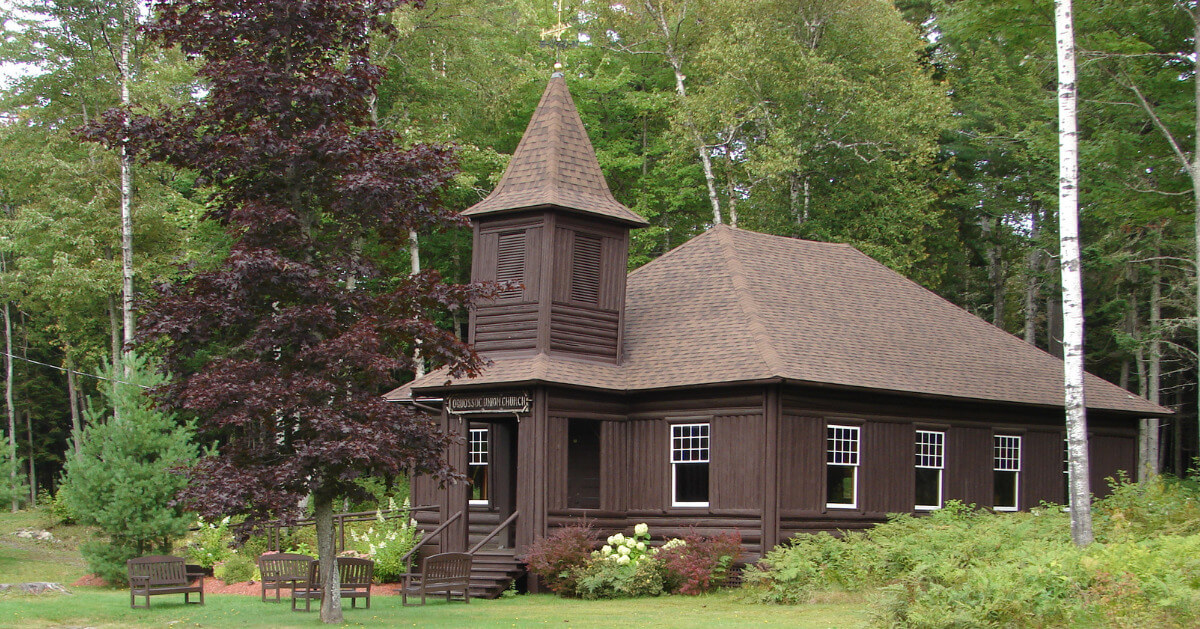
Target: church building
x: 741, y: 381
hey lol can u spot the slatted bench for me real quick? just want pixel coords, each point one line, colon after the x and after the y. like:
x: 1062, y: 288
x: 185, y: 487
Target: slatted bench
x: 279, y: 570
x: 447, y: 573
x: 163, y: 574
x: 354, y: 576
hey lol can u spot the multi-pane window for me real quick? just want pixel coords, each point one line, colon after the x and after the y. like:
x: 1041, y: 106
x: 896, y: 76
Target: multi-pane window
x: 477, y: 464
x: 841, y: 466
x: 931, y: 460
x: 689, y: 465
x: 1006, y: 463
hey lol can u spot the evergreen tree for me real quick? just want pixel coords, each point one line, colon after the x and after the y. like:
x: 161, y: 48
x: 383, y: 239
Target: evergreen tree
x: 124, y: 481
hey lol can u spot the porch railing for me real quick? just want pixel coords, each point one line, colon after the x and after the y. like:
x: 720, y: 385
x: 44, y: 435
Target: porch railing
x: 425, y: 539
x: 274, y: 528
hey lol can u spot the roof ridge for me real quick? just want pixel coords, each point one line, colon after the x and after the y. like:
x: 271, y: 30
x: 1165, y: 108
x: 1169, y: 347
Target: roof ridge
x: 746, y: 302
x: 686, y: 245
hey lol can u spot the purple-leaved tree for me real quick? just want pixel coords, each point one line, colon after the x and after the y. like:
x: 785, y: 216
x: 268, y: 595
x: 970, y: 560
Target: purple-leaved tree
x: 284, y: 350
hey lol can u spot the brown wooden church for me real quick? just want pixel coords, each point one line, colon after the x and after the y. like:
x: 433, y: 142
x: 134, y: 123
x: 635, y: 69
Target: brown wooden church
x: 741, y: 381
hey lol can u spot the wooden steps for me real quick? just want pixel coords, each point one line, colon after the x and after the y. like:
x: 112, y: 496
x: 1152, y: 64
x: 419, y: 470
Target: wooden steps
x: 492, y: 571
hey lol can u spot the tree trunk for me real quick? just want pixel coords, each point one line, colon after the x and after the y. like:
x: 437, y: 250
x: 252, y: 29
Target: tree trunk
x: 114, y: 330
x: 331, y: 601
x: 8, y: 403
x: 129, y: 19
x: 1072, y: 278
x: 73, y: 400
x: 1033, y: 264
x: 32, y: 469
x: 995, y: 258
x: 414, y: 255
x: 1154, y: 384
x: 675, y: 58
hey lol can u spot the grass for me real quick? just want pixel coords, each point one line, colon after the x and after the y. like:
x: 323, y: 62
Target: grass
x: 23, y: 560
x: 108, y: 608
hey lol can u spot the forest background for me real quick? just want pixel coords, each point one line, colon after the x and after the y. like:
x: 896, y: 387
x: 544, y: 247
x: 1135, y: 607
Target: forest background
x: 923, y: 133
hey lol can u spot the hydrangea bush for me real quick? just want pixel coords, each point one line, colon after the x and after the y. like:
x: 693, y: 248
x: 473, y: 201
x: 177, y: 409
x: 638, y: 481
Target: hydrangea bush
x: 628, y: 566
x: 211, y: 543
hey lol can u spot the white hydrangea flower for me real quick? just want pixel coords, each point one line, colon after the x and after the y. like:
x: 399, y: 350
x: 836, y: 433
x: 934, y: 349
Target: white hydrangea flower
x: 623, y: 560
x: 606, y: 550
x: 617, y: 539
x: 641, y: 546
x: 641, y: 529
x: 623, y: 550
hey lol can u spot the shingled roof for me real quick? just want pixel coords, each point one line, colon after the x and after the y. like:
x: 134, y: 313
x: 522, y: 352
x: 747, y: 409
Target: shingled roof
x: 555, y: 166
x: 735, y: 306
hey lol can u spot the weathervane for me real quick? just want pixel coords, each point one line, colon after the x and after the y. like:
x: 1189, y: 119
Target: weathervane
x: 556, y: 32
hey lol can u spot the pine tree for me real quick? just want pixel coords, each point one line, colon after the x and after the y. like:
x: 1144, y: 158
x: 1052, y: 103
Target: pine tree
x: 123, y: 482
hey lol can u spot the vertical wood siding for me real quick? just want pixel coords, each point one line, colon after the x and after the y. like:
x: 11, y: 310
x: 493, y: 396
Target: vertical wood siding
x: 735, y: 478
x: 969, y: 465
x: 648, y: 477
x: 1109, y: 454
x: 1041, y: 468
x: 887, y: 479
x: 556, y: 463
x: 802, y: 464
x: 615, y: 463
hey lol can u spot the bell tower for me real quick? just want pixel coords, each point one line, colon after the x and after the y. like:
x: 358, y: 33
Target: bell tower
x: 553, y: 226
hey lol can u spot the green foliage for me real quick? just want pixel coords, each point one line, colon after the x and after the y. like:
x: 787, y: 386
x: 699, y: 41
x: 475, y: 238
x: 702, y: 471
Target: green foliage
x: 122, y: 482
x: 210, y: 543
x: 239, y: 568
x: 697, y: 565
x: 387, y: 541
x: 960, y: 567
x: 60, y: 510
x: 604, y: 578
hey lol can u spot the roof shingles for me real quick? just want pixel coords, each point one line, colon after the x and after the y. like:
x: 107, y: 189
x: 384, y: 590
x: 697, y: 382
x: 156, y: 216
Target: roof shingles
x: 739, y: 306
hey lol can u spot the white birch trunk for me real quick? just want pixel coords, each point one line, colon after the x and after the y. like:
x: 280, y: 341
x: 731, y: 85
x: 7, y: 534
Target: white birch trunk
x: 1154, y: 384
x: 129, y: 22
x: 414, y: 255
x: 1072, y: 278
x: 8, y: 404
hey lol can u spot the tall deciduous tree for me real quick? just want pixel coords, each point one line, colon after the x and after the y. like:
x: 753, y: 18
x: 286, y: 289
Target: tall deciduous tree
x: 285, y: 349
x: 1072, y: 278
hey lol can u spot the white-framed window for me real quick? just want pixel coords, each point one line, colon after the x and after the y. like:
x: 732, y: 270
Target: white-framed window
x: 930, y: 463
x: 477, y: 464
x: 841, y: 467
x: 1006, y: 466
x: 689, y: 465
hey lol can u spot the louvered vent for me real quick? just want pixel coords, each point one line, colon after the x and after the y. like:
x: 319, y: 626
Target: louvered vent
x: 511, y: 265
x: 585, y: 270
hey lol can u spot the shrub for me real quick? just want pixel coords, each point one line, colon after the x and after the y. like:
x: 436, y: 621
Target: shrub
x: 237, y: 569
x: 60, y: 511
x: 608, y: 578
x: 695, y: 564
x: 1159, y: 506
x: 106, y: 559
x: 556, y: 557
x: 209, y: 545
x: 388, y: 541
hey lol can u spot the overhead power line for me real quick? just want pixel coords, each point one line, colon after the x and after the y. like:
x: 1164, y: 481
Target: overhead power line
x: 81, y: 373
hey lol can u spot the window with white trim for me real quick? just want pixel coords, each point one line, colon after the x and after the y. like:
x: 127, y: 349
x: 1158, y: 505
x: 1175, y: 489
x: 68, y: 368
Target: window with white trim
x: 841, y: 467
x: 477, y: 464
x: 689, y: 465
x: 1006, y: 466
x: 931, y: 461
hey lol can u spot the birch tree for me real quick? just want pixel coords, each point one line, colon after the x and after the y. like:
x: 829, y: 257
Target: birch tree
x: 1072, y: 278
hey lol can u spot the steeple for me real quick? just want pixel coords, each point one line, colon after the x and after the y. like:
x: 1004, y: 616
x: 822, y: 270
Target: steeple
x: 555, y: 166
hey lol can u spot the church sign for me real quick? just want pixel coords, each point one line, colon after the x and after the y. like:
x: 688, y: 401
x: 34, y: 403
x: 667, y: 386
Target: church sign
x: 510, y: 402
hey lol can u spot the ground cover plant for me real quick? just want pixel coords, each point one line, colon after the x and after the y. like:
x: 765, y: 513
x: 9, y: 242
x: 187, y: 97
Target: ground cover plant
x: 965, y: 567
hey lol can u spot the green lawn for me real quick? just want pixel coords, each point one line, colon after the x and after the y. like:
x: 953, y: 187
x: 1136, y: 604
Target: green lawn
x: 107, y: 608
x: 24, y: 560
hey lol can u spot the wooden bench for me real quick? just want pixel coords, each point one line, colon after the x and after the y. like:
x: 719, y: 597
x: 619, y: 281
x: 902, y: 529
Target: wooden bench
x: 354, y: 576
x: 447, y: 573
x: 280, y: 570
x: 163, y: 574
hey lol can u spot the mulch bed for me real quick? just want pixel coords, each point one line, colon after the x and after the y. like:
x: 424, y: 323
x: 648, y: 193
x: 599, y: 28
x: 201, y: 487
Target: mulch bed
x: 247, y: 588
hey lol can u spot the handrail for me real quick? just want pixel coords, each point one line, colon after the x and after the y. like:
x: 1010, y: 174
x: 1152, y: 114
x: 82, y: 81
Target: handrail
x: 425, y: 538
x: 272, y: 527
x: 499, y: 527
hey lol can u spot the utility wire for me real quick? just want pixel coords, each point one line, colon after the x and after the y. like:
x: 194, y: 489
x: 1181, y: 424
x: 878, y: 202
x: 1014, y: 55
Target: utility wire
x: 64, y: 369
